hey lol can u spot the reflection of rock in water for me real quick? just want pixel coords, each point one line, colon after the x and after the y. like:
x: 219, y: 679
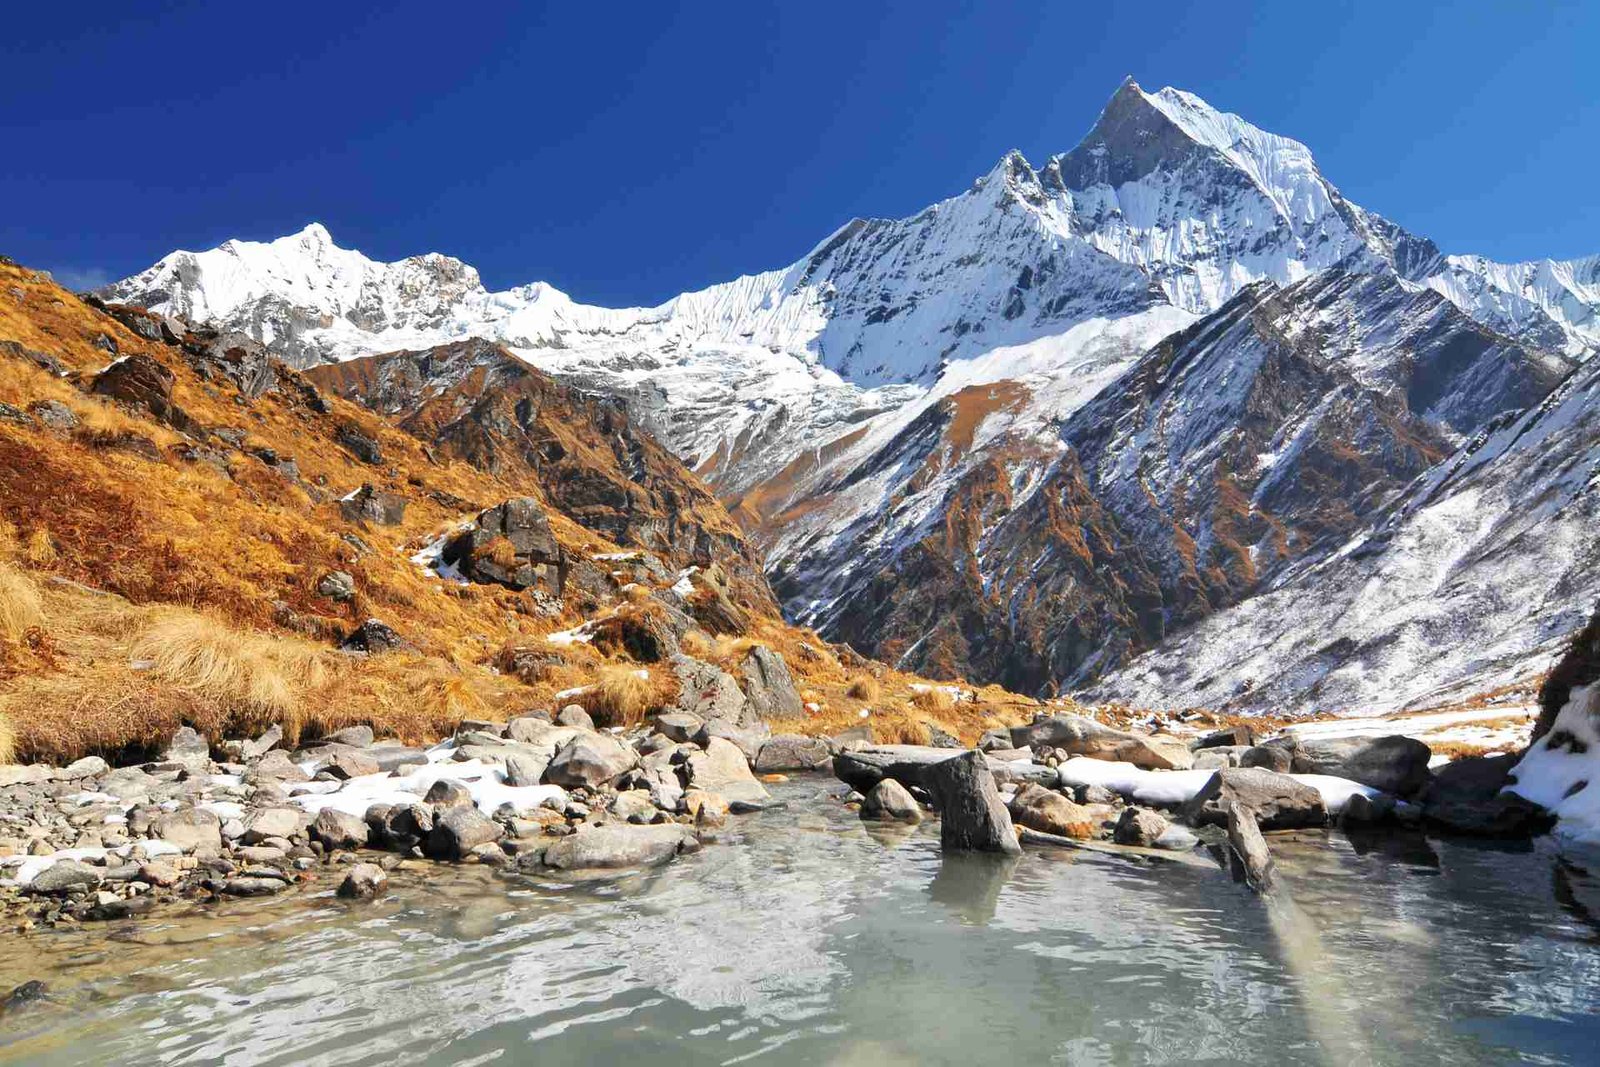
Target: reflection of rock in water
x: 870, y: 1054
x: 1577, y: 890
x: 969, y: 883
x: 1397, y: 846
x: 1327, y: 1004
x: 890, y: 834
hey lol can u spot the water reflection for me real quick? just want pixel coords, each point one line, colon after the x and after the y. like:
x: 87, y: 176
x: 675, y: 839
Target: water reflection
x: 811, y: 938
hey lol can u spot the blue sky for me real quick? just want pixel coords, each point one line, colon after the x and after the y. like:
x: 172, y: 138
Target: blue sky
x: 625, y: 152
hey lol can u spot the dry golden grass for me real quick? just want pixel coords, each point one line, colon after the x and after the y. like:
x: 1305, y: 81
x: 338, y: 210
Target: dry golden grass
x: 8, y: 740
x: 618, y: 697
x: 935, y: 700
x: 863, y: 687
x: 21, y: 608
x: 696, y: 643
x: 251, y: 674
x: 40, y: 551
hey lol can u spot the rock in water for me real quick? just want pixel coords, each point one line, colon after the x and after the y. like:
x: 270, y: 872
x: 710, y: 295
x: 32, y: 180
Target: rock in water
x: 339, y: 830
x: 619, y: 845
x: 793, y: 752
x: 1277, y: 801
x: 363, y: 882
x: 889, y: 800
x: 1140, y: 826
x: 1251, y: 860
x: 460, y: 830
x: 972, y: 816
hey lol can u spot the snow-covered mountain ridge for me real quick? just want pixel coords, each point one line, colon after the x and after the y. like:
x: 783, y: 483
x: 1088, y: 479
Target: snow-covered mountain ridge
x: 886, y: 411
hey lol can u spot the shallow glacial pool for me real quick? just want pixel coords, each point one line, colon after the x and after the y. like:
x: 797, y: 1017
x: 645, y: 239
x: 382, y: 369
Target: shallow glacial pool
x: 807, y: 938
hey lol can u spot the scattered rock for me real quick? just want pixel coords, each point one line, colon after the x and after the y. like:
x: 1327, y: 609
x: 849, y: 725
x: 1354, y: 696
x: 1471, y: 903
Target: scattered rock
x: 363, y: 882
x: 191, y: 829
x: 338, y: 586
x: 458, y: 831
x: 574, y: 716
x: 1079, y: 736
x: 793, y: 752
x: 374, y: 637
x: 447, y: 793
x: 1394, y: 764
x: 891, y: 801
x: 708, y: 692
x: 722, y: 768
x: 1140, y: 826
x: 617, y: 845
x: 65, y: 875
x: 189, y: 749
x: 1250, y: 859
x: 589, y: 760
x: 339, y: 830
x: 369, y: 505
x: 1276, y: 801
x: 972, y: 815
x: 1049, y: 812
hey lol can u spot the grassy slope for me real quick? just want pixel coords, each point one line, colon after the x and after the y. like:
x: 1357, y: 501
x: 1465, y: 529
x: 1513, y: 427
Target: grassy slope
x: 167, y: 567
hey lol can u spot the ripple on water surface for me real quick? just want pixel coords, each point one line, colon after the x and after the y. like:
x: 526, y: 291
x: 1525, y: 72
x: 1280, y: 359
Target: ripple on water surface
x: 809, y: 938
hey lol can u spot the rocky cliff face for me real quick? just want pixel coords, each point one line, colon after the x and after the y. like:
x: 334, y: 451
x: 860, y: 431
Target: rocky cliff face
x: 1031, y: 430
x: 474, y: 401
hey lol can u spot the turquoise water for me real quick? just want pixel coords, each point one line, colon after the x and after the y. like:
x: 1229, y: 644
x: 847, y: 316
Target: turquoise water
x: 805, y: 938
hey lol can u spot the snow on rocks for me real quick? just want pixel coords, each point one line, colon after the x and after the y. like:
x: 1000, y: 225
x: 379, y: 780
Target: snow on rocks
x: 1561, y: 771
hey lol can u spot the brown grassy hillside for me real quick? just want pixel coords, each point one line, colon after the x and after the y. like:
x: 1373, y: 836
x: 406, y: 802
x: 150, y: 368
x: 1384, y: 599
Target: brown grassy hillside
x: 170, y: 503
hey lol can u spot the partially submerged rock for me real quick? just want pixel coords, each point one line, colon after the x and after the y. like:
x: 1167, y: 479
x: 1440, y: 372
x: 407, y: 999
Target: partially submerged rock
x: 1079, y: 736
x: 1049, y: 812
x: 618, y: 845
x: 1277, y: 801
x: 972, y: 816
x: 891, y: 801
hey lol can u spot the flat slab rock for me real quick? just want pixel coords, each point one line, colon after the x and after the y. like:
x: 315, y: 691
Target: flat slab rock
x: 864, y: 768
x: 618, y: 845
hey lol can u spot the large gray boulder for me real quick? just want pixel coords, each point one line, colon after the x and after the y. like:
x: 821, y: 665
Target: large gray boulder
x: 721, y: 768
x: 1394, y: 764
x: 708, y: 692
x: 339, y: 830
x: 768, y: 685
x: 616, y: 845
x: 191, y: 829
x: 530, y: 555
x: 1250, y: 860
x: 589, y: 760
x: 187, y: 748
x: 1277, y: 801
x: 1464, y: 797
x: 972, y: 817
x: 1080, y: 736
x: 458, y: 831
x: 748, y: 739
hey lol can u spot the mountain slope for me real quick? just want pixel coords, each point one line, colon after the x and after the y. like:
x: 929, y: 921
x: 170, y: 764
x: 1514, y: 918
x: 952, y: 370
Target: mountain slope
x: 884, y: 414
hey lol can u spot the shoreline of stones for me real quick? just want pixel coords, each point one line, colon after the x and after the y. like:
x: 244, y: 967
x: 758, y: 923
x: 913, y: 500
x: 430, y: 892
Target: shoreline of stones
x: 250, y: 819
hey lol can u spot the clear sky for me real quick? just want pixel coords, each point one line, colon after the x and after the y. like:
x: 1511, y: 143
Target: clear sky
x: 628, y: 151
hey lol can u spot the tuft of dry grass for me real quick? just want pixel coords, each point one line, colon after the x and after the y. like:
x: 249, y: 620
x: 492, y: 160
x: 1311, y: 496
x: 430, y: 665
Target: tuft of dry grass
x: 8, y: 740
x: 40, y: 550
x: 21, y: 608
x: 863, y: 687
x: 249, y: 673
x: 696, y: 643
x: 935, y: 700
x: 619, y: 697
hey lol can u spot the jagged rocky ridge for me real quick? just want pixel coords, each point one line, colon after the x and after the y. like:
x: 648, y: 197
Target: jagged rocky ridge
x: 900, y: 416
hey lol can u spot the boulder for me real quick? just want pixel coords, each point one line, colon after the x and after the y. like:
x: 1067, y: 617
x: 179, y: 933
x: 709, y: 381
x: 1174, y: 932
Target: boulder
x: 457, y: 831
x: 87, y: 767
x: 253, y: 886
x: 1277, y: 801
x: 708, y: 692
x: 65, y: 875
x: 792, y: 752
x: 511, y: 544
x: 347, y: 765
x: 972, y: 816
x: 891, y: 801
x: 191, y: 829
x: 363, y: 882
x: 574, y: 716
x: 278, y: 765
x: 1275, y: 757
x: 189, y: 749
x: 677, y: 726
x: 748, y: 739
x: 1079, y: 736
x: 1464, y: 797
x: 374, y: 637
x: 143, y: 382
x: 339, y: 830
x: 447, y: 793
x: 1394, y: 764
x: 338, y: 586
x: 251, y: 751
x: 1251, y: 862
x: 1049, y: 812
x: 524, y: 771
x: 1140, y: 826
x: 617, y: 845
x: 862, y: 768
x: 722, y: 768
x: 266, y: 823
x: 359, y: 736
x: 768, y: 685
x: 1229, y: 737
x: 589, y: 760
x: 369, y: 505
